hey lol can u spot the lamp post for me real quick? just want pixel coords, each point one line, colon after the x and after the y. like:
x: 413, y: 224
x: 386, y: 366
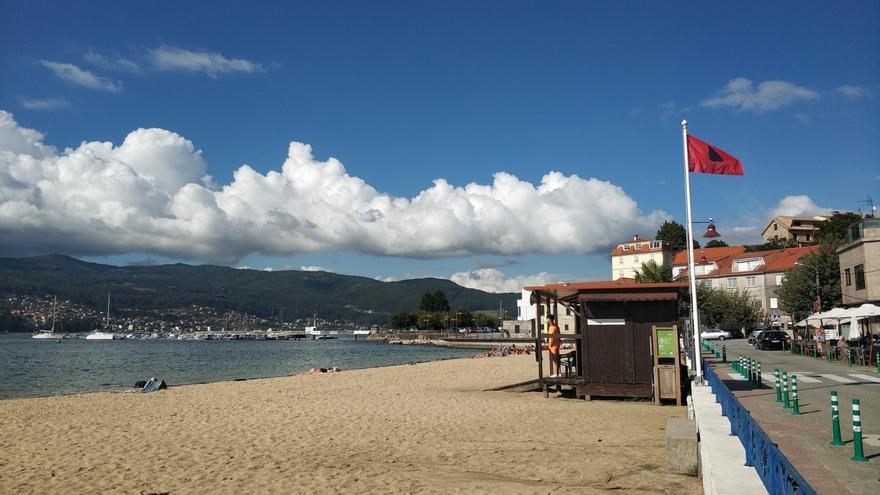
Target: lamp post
x: 818, y: 292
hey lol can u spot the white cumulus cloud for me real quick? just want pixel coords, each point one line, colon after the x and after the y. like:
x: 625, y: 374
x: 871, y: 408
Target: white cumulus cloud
x: 799, y: 205
x: 740, y: 93
x: 151, y: 194
x: 212, y: 64
x: 81, y: 77
x: 494, y: 280
x: 312, y: 268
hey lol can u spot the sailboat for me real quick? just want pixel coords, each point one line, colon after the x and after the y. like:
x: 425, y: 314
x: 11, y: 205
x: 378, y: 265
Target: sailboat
x: 99, y: 335
x: 49, y: 334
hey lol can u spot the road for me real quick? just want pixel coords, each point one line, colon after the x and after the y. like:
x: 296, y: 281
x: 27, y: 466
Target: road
x: 806, y: 439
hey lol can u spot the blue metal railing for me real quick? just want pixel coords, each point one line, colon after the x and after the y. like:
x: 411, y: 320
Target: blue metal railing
x: 774, y: 469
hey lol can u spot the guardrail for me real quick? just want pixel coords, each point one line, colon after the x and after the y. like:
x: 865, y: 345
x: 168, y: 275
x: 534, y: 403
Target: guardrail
x: 774, y: 469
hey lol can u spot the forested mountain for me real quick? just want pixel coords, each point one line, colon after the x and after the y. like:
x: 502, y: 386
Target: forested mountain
x: 262, y: 293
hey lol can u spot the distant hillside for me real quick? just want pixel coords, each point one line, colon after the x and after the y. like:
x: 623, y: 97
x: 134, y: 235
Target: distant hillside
x: 299, y: 293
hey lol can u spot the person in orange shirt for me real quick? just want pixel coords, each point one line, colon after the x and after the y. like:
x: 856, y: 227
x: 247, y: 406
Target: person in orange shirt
x: 553, y: 346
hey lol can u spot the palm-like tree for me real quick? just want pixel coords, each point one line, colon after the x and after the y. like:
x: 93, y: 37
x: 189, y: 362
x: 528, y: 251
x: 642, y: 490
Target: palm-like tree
x: 652, y: 273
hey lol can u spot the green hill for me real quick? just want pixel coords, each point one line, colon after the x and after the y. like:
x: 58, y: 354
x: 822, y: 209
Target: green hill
x: 299, y: 293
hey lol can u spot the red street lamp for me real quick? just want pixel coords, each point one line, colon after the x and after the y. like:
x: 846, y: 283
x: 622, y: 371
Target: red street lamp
x: 711, y: 232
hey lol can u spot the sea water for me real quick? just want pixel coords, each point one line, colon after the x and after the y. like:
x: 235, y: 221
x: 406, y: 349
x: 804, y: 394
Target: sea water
x: 41, y: 367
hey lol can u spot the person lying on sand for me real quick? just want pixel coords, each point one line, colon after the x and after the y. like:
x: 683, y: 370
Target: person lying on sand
x: 318, y: 371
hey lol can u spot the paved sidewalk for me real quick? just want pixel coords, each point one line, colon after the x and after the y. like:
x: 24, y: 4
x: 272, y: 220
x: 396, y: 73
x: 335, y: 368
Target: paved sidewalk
x: 806, y: 439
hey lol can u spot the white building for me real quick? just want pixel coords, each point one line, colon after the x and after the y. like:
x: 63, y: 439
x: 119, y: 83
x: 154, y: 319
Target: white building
x: 627, y: 257
x: 526, y: 312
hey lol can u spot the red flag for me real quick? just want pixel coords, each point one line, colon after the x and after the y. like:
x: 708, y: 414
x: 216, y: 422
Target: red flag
x: 707, y: 159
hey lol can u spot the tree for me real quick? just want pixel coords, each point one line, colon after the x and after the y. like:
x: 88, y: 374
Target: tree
x: 652, y: 273
x: 675, y: 234
x: 833, y: 230
x: 727, y: 309
x: 434, y: 301
x: 716, y: 243
x: 775, y: 242
x: 486, y: 320
x: 403, y: 319
x: 798, y: 290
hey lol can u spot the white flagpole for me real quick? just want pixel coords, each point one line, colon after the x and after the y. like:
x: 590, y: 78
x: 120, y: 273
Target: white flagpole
x: 692, y: 276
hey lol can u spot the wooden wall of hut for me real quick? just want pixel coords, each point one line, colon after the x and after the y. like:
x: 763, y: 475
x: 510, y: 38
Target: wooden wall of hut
x: 616, y: 359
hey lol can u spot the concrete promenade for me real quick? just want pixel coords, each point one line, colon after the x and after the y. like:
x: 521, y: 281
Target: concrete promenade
x: 722, y: 456
x: 806, y: 439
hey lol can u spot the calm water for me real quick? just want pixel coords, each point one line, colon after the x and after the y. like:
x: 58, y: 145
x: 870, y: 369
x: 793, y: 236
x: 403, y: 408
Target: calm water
x: 30, y: 367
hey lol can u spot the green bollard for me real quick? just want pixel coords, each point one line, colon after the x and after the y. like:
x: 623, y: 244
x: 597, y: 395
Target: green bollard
x: 795, y: 410
x: 759, y: 381
x: 859, y: 455
x: 724, y: 353
x: 752, y: 370
x: 850, y: 359
x: 778, y: 389
x: 835, y: 420
x: 786, y: 403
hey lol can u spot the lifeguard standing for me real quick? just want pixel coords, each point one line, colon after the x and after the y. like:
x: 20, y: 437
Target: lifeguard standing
x: 553, y: 346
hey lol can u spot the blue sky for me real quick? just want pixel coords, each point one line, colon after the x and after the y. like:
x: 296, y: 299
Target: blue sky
x: 404, y: 93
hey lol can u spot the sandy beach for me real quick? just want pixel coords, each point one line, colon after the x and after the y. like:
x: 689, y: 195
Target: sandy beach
x: 425, y: 428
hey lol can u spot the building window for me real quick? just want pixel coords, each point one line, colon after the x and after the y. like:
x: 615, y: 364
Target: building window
x: 808, y: 237
x: 567, y: 311
x: 860, y: 277
x: 775, y: 227
x: 635, y: 259
x: 620, y: 261
x: 751, y: 281
x: 774, y: 303
x: 566, y: 327
x: 780, y: 279
x: 731, y: 283
x: 759, y: 304
x: 707, y: 284
x: 516, y: 329
x: 626, y: 247
x: 620, y: 274
x: 848, y: 277
x: 655, y: 244
x: 855, y: 232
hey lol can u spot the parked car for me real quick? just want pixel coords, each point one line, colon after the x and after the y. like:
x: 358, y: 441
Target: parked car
x: 714, y: 334
x: 771, y: 339
x: 755, y: 335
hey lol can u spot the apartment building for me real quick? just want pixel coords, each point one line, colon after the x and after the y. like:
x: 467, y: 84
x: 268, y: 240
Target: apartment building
x: 757, y: 273
x: 860, y: 263
x: 627, y: 257
x: 801, y: 229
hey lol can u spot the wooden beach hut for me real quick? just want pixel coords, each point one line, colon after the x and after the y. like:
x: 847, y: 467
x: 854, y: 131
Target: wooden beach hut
x: 614, y: 338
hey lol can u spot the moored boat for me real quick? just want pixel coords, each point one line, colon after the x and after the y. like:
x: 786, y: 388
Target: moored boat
x: 51, y: 333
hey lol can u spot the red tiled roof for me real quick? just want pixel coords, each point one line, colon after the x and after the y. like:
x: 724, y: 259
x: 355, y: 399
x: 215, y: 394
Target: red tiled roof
x: 715, y: 254
x: 646, y: 247
x: 776, y: 260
